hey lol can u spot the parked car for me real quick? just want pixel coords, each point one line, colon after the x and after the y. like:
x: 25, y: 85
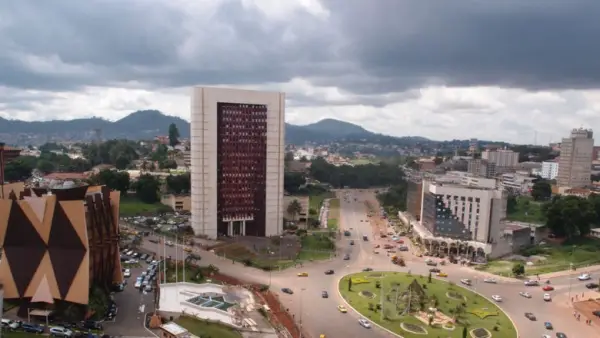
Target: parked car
x: 91, y: 325
x: 10, y: 324
x: 32, y: 328
x: 59, y: 331
x: 127, y: 273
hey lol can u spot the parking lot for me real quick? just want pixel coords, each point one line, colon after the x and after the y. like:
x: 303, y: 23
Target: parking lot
x: 132, y: 303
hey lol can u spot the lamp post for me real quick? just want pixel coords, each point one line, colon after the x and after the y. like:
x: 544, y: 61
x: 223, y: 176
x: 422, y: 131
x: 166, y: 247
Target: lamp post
x: 571, y: 268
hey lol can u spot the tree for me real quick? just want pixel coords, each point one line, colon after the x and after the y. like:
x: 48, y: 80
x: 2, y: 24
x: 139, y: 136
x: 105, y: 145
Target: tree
x: 289, y: 157
x: 571, y: 216
x: 45, y: 166
x: 146, y: 189
x: 511, y: 204
x: 294, y: 208
x: 19, y: 169
x: 518, y: 269
x: 429, y: 278
x: 115, y: 180
x: 541, y: 190
x: 179, y: 184
x: 173, y: 135
x: 122, y: 162
x: 465, y: 332
x: 167, y: 164
x: 360, y: 176
x: 349, y: 284
x: 293, y: 181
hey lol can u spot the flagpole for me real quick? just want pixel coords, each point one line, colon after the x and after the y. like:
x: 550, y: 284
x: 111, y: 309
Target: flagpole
x: 165, y: 259
x: 158, y: 256
x: 184, y: 257
x: 176, y: 268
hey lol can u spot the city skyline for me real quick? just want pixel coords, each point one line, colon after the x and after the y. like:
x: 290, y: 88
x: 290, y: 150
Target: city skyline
x: 502, y: 71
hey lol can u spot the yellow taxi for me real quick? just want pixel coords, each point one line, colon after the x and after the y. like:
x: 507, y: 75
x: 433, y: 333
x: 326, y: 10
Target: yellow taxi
x: 186, y: 249
x: 442, y: 274
x: 303, y: 274
x: 342, y: 309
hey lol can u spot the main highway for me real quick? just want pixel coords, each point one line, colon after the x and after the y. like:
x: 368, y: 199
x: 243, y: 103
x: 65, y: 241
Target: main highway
x: 319, y: 315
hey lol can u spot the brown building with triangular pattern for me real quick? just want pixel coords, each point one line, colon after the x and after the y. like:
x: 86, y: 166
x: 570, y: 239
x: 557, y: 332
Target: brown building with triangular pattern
x: 56, y: 243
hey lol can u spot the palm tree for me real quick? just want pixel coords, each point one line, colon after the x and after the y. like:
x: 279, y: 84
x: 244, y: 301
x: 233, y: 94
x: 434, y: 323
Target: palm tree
x: 294, y: 208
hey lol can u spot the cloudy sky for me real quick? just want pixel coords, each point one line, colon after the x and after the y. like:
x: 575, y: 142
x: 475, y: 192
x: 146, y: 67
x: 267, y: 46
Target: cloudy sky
x: 500, y: 70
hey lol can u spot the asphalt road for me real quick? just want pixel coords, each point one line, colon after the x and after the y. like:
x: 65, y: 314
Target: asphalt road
x: 320, y: 316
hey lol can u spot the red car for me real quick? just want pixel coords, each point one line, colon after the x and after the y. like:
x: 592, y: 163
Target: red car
x: 548, y: 288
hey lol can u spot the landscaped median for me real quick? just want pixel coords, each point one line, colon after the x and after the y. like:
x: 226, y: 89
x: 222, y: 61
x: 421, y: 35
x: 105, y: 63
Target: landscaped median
x: 333, y: 218
x: 417, y: 306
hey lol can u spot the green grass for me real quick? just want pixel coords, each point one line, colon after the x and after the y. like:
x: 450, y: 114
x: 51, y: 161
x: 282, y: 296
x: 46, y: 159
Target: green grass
x: 557, y: 257
x: 202, y: 328
x: 437, y: 289
x: 333, y: 217
x: 131, y: 206
x: 317, y: 246
x: 316, y: 201
x: 527, y: 210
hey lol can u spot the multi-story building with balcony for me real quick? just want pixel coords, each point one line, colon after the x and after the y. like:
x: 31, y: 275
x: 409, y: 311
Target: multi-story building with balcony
x: 237, y: 157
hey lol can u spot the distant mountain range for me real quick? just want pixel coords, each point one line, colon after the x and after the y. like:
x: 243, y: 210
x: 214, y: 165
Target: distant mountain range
x: 145, y: 124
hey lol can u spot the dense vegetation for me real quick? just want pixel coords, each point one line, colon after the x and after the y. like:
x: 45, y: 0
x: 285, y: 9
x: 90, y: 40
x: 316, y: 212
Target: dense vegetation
x: 359, y: 177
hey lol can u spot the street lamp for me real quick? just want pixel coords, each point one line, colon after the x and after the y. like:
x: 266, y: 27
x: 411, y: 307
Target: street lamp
x: 571, y: 268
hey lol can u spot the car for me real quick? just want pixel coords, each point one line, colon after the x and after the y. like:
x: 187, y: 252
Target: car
x: 91, y: 325
x: 530, y: 316
x: 342, y: 309
x: 591, y: 285
x: 288, y: 291
x: 548, y: 288
x: 32, y: 328
x: 584, y: 276
x: 560, y: 335
x: 143, y: 257
x: 127, y: 273
x: 59, y: 331
x: 525, y: 294
x: 548, y: 325
x: 148, y: 288
x: 352, y: 242
x: 546, y: 336
x: 364, y: 323
x: 10, y: 324
x: 329, y: 272
x: 346, y: 257
x: 596, y: 313
x: 149, y: 260
x: 403, y: 248
x: 490, y: 280
x: 547, y: 297
x: 138, y: 284
x: 497, y: 298
x: 442, y: 274
x: 466, y: 281
x: 302, y: 274
x: 435, y: 270
x: 324, y: 294
x: 118, y: 287
x: 367, y: 269
x: 531, y: 283
x: 187, y: 249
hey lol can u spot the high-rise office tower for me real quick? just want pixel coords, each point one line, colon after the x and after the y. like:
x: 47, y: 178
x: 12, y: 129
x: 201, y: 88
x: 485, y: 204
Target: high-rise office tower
x: 575, y: 163
x: 237, y: 151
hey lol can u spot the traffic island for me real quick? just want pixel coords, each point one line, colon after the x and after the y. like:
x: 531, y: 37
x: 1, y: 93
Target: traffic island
x: 412, y: 306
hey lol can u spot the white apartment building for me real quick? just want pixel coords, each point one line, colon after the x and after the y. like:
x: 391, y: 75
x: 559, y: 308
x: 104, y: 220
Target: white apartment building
x: 237, y: 160
x: 503, y: 158
x: 463, y: 212
x: 516, y: 183
x: 575, y: 164
x: 549, y: 170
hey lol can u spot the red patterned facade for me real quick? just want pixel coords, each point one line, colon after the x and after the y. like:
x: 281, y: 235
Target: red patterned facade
x: 242, y: 166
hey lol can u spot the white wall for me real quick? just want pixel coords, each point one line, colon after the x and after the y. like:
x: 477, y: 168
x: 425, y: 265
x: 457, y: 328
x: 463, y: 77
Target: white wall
x: 204, y: 155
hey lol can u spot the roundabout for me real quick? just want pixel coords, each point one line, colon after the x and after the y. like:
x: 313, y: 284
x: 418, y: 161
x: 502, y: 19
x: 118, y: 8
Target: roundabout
x: 413, y: 306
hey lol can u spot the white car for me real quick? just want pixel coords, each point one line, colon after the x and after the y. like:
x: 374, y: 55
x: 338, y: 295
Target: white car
x: 137, y: 284
x: 531, y: 283
x: 466, y: 281
x: 490, y: 280
x: 497, y: 298
x: 11, y: 324
x: 59, y: 331
x: 127, y: 273
x: 148, y: 288
x: 525, y: 294
x: 364, y: 323
x: 547, y: 297
x: 584, y: 276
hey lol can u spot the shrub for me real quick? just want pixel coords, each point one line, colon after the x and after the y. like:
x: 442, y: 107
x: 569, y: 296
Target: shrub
x: 483, y: 314
x: 359, y: 280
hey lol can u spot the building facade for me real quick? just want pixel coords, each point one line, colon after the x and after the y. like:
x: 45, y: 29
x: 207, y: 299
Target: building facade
x: 504, y: 159
x: 463, y: 212
x: 414, y: 196
x: 575, y: 163
x: 237, y: 150
x: 549, y: 170
x: 56, y: 246
x: 482, y: 168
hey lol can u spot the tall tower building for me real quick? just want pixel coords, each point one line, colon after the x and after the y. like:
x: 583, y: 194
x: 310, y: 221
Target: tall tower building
x: 575, y: 163
x: 237, y: 160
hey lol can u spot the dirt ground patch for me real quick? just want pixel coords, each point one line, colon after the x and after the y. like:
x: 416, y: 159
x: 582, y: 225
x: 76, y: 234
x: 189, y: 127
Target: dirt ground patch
x: 586, y: 308
x: 261, y: 250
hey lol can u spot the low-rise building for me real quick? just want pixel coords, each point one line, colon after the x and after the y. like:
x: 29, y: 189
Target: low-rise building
x: 173, y: 330
x: 177, y: 202
x: 304, y: 202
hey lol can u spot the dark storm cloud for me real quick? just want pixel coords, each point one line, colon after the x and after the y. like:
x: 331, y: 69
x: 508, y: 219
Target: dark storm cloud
x: 366, y: 47
x: 529, y: 44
